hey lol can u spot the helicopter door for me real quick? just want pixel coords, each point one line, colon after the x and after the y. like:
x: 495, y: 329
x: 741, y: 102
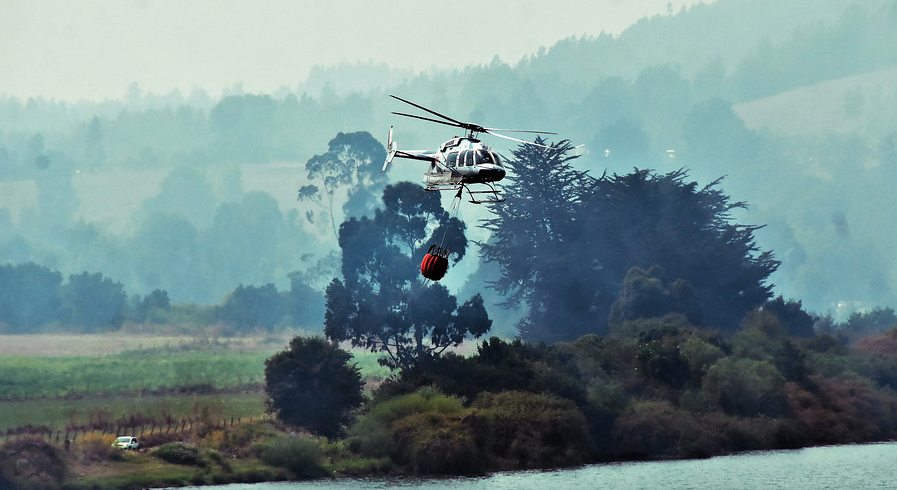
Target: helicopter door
x: 451, y: 160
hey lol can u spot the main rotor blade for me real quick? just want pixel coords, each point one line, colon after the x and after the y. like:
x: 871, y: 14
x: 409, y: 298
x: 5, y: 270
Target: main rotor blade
x: 518, y: 131
x: 459, y: 123
x: 522, y: 141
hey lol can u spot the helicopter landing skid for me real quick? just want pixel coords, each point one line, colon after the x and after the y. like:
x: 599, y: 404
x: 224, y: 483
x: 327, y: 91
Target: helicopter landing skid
x: 461, y: 187
x: 491, y: 190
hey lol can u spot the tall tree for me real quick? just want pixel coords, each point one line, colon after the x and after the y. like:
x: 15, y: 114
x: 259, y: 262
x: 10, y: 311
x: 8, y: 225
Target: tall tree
x: 565, y: 240
x: 533, y: 238
x: 643, y: 219
x: 382, y: 303
x: 352, y: 162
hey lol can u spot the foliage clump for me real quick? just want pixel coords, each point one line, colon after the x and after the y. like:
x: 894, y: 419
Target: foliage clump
x: 532, y: 430
x: 31, y: 464
x: 312, y: 385
x: 300, y: 455
x: 180, y: 453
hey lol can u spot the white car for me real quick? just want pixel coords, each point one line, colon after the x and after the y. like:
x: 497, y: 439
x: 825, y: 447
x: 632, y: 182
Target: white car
x: 126, y: 442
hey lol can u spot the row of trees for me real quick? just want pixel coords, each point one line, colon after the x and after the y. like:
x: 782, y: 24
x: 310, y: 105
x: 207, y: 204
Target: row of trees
x: 34, y: 298
x: 653, y: 388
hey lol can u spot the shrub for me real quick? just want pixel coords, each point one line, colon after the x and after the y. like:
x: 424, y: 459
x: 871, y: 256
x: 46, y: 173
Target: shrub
x: 96, y: 447
x: 845, y: 409
x: 300, y: 455
x: 656, y: 429
x: 530, y: 430
x: 180, y: 453
x: 31, y: 464
x: 746, y: 387
x: 371, y: 435
x: 437, y: 443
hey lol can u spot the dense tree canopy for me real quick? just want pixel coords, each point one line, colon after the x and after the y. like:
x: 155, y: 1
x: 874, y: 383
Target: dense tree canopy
x: 584, y: 234
x: 93, y: 302
x: 382, y: 303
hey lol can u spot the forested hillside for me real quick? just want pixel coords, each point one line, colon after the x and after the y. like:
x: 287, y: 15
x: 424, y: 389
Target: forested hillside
x: 196, y: 194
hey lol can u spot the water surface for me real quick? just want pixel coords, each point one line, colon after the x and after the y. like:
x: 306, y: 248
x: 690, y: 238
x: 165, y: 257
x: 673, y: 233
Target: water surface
x: 867, y: 466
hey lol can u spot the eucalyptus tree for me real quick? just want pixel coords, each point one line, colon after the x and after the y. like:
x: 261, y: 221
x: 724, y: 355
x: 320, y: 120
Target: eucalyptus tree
x: 381, y: 302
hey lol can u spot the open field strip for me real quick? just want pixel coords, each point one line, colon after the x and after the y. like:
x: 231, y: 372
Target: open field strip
x: 59, y: 414
x: 62, y: 380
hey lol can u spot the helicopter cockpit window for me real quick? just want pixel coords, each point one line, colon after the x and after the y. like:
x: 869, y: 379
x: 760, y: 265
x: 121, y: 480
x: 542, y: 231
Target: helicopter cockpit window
x: 495, y: 159
x: 451, y: 159
x: 484, y: 156
x: 464, y: 158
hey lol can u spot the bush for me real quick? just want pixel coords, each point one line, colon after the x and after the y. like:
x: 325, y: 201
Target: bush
x: 371, y: 435
x: 530, y: 430
x: 180, y: 453
x: 31, y: 464
x: 845, y: 409
x: 656, y: 429
x: 746, y: 387
x: 95, y: 447
x: 437, y: 443
x: 300, y: 455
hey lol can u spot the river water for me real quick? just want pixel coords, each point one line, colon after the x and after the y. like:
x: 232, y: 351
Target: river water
x: 856, y: 467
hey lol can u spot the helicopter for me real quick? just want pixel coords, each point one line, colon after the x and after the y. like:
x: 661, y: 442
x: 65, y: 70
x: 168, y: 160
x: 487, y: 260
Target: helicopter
x: 461, y: 161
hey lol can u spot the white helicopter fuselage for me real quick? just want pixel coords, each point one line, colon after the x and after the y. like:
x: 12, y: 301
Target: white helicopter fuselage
x: 463, y: 161
x: 460, y: 161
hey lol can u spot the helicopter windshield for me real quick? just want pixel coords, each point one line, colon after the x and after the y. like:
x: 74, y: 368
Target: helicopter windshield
x: 476, y: 157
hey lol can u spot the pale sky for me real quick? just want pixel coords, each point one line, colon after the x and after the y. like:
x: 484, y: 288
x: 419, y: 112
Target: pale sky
x: 95, y: 49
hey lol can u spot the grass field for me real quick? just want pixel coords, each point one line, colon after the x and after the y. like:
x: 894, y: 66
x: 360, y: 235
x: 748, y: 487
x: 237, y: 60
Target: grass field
x: 58, y: 414
x: 64, y: 380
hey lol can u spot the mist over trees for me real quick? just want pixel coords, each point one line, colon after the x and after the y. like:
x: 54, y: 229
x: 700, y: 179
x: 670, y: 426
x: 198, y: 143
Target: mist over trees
x: 729, y: 89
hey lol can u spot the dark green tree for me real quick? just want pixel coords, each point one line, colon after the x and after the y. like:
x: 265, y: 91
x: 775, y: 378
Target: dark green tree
x: 29, y: 296
x: 150, y: 308
x: 796, y: 321
x: 564, y: 242
x: 644, y: 219
x: 92, y: 302
x: 382, y: 303
x: 248, y: 307
x: 312, y: 385
x: 534, y: 240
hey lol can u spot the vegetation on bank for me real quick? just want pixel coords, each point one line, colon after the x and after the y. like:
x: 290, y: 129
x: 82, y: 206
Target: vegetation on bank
x: 651, y: 389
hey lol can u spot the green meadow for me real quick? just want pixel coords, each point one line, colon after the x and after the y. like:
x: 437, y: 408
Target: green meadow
x: 154, y: 384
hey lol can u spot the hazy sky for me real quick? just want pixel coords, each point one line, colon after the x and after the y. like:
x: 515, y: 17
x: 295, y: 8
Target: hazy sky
x: 95, y: 49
